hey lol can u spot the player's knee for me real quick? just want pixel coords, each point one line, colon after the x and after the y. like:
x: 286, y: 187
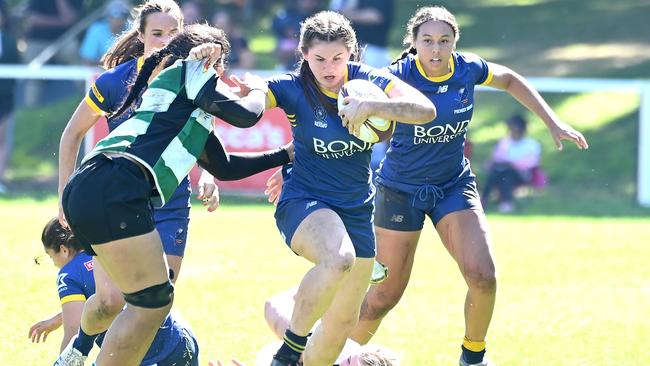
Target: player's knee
x: 483, y: 281
x: 341, y: 262
x: 109, y: 305
x: 376, y: 307
x: 154, y: 297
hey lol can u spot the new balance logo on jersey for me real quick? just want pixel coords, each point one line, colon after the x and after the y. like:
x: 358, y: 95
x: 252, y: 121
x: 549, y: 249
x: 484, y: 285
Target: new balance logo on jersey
x: 310, y: 204
x: 397, y: 218
x: 442, y: 89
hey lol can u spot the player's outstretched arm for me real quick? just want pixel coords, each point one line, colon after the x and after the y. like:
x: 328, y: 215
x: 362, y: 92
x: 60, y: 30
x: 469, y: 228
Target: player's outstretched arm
x: 516, y: 85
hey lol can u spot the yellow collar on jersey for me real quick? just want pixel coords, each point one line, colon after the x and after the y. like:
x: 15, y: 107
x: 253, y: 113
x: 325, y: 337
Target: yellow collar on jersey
x: 436, y: 79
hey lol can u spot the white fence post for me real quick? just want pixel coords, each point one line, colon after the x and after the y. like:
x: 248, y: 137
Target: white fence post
x: 643, y: 173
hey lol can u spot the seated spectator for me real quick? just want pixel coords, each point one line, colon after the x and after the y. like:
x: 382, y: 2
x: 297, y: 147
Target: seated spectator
x: 101, y: 34
x: 514, y: 161
x: 240, y: 56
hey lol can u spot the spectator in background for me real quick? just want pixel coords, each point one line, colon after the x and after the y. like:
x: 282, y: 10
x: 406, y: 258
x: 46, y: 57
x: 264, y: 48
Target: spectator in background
x: 192, y: 12
x: 45, y: 22
x: 372, y: 20
x: 514, y: 161
x: 286, y: 27
x: 101, y: 34
x: 8, y: 55
x: 240, y: 56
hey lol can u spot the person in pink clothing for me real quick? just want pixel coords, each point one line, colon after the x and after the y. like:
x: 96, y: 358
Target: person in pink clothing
x: 513, y: 163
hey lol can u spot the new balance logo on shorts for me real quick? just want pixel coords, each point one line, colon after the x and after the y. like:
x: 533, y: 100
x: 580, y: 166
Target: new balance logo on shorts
x: 397, y: 218
x: 310, y: 204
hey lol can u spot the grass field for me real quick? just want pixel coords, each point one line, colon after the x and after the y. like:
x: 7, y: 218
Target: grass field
x: 572, y: 290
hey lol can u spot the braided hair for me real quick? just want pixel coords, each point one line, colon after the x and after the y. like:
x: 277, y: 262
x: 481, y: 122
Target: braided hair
x: 178, y: 48
x: 54, y: 235
x: 423, y: 15
x: 128, y: 46
x: 326, y: 26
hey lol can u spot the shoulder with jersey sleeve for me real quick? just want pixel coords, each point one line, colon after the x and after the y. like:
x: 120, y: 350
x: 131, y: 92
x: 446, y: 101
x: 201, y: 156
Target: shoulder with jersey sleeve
x: 73, y: 278
x: 402, y: 67
x: 379, y: 77
x: 110, y: 88
x: 284, y: 89
x: 476, y: 66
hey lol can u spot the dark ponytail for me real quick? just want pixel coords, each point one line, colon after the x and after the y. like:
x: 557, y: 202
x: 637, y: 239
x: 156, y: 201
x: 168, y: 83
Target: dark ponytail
x: 54, y: 235
x: 408, y: 51
x: 142, y: 80
x: 178, y: 48
x: 128, y: 46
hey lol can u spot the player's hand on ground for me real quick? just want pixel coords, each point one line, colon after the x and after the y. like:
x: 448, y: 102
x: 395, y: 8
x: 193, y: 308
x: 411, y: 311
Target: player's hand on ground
x: 353, y: 114
x: 208, y: 191
x: 219, y: 363
x: 211, y: 52
x: 274, y: 187
x: 42, y: 329
x: 562, y: 131
x: 249, y: 83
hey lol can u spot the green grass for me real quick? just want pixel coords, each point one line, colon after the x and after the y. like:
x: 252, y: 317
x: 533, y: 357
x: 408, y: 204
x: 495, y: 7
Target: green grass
x: 572, y: 290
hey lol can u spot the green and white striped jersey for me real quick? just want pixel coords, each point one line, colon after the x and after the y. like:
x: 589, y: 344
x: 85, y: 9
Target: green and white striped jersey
x: 167, y: 132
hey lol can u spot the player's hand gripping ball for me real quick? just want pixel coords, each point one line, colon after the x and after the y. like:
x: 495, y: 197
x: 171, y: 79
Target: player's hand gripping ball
x: 374, y: 129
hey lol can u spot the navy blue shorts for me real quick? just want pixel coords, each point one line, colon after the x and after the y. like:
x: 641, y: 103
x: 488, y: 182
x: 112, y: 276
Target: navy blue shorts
x: 186, y: 352
x: 108, y: 199
x: 172, y: 226
x: 402, y: 211
x: 357, y: 220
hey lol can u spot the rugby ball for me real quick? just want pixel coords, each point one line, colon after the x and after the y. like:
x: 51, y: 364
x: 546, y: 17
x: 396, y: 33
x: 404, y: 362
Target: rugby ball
x: 374, y: 129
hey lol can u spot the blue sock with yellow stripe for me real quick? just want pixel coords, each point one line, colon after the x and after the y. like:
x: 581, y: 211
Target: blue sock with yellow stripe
x: 84, y: 342
x: 473, y: 351
x: 292, y: 347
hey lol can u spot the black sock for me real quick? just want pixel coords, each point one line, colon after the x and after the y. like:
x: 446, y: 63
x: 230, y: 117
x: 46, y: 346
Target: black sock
x: 472, y: 357
x: 292, y: 347
x: 84, y: 342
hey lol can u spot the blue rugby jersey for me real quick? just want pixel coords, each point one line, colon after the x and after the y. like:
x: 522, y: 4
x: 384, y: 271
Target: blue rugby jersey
x: 106, y: 96
x: 432, y: 153
x: 75, y: 282
x: 329, y: 164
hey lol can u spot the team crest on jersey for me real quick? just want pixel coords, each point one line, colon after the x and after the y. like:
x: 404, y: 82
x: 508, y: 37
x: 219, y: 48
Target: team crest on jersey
x: 320, y: 117
x: 89, y: 265
x: 463, y: 96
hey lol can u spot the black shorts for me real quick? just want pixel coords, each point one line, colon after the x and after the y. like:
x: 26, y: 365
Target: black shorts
x: 108, y: 199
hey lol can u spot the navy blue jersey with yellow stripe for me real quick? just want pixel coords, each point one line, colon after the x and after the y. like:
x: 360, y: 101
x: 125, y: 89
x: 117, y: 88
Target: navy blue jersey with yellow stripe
x: 432, y: 153
x: 76, y: 283
x: 329, y: 164
x: 106, y: 96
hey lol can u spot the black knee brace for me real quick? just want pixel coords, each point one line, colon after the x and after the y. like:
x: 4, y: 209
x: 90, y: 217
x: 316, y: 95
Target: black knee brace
x: 153, y: 297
